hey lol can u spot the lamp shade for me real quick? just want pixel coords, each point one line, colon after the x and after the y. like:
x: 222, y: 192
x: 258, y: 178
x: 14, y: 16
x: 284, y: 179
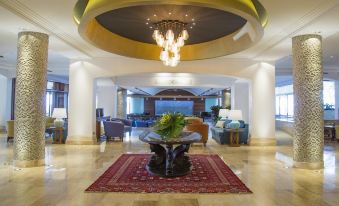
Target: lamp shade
x: 223, y: 113
x: 235, y: 115
x: 59, y: 113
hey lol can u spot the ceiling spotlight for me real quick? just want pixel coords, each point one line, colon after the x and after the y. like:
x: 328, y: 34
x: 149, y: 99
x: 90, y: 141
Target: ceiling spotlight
x: 154, y: 15
x: 148, y: 19
x: 331, y: 57
x: 147, y: 23
x: 191, y: 27
x: 186, y: 15
x: 170, y: 13
x: 193, y: 19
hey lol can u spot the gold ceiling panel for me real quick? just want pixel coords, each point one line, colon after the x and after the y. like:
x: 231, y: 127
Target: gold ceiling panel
x: 86, y: 11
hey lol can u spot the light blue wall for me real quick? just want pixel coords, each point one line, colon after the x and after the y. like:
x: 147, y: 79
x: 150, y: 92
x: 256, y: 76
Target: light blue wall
x: 137, y: 105
x: 210, y: 102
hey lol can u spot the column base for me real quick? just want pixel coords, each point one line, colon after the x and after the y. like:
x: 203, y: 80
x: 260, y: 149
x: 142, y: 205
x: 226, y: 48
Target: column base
x: 29, y: 163
x: 84, y: 140
x: 263, y: 142
x: 309, y: 165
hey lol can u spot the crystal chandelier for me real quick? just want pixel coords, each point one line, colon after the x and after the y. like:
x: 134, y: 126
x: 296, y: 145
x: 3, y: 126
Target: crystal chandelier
x: 170, y: 35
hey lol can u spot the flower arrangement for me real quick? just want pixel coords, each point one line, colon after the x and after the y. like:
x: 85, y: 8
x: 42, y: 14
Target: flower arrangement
x: 170, y: 125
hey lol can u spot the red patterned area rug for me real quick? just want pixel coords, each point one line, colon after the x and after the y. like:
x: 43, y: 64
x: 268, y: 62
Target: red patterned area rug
x: 209, y: 175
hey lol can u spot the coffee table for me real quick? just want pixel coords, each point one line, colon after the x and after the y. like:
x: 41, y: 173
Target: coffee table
x: 169, y: 161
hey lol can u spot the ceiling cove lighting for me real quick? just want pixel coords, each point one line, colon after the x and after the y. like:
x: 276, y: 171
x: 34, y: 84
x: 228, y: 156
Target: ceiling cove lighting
x: 184, y: 30
x: 170, y: 35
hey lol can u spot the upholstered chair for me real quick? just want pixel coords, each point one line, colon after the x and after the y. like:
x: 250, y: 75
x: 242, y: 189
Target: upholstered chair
x: 114, y: 129
x: 196, y: 124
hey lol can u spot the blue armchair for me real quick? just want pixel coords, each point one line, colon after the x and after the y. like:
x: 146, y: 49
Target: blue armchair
x: 114, y: 129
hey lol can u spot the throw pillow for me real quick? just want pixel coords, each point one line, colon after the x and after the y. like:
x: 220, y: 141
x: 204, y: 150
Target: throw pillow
x: 220, y: 124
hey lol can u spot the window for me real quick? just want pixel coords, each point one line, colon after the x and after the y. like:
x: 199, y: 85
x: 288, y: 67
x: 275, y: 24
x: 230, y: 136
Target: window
x: 284, y: 99
x: 210, y: 102
x: 329, y: 93
x: 135, y: 105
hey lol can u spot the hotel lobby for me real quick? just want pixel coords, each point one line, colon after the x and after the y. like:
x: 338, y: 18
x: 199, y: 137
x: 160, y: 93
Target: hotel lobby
x: 165, y: 103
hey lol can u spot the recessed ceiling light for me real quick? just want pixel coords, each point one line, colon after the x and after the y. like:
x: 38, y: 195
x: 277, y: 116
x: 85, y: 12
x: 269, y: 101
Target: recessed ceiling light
x: 332, y: 57
x: 193, y: 23
x: 191, y: 27
x: 193, y: 19
x: 151, y: 27
x: 147, y: 23
x: 148, y: 19
x: 186, y: 14
x: 154, y: 15
x: 170, y: 13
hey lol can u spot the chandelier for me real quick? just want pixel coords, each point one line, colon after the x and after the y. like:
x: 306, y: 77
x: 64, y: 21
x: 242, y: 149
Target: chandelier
x: 170, y: 35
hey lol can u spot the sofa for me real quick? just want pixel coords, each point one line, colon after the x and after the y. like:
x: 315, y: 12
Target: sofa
x: 195, y: 124
x: 222, y: 136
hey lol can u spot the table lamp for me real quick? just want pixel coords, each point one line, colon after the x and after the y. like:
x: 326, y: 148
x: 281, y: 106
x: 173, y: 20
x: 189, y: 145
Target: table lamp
x: 223, y: 113
x: 59, y: 114
x: 235, y: 116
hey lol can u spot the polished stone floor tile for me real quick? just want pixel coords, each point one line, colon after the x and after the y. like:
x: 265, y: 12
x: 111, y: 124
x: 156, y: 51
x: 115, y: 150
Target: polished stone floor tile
x: 70, y: 169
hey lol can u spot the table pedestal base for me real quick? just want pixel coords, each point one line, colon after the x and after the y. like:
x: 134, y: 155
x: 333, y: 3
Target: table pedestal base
x: 169, y: 162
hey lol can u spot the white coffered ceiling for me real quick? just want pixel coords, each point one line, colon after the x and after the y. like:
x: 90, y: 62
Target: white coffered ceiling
x: 287, y: 18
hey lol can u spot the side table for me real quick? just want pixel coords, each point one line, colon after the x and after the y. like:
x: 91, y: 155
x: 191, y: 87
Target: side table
x: 58, y: 135
x: 234, y: 137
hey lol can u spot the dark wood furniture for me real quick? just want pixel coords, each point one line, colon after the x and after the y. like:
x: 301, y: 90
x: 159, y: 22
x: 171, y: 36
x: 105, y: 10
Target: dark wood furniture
x: 58, y: 135
x: 169, y: 161
x: 98, y: 125
x: 234, y: 137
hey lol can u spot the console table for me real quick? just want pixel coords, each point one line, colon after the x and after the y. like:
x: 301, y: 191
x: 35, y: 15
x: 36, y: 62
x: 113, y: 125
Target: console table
x: 168, y: 161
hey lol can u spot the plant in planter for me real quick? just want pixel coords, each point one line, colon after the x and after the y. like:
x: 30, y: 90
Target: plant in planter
x: 170, y: 125
x: 215, y: 112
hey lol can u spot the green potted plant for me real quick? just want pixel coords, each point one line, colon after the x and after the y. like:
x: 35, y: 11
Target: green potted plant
x: 170, y: 125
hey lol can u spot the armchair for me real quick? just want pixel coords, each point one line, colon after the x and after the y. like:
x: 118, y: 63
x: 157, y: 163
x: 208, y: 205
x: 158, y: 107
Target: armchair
x: 114, y: 129
x: 195, y: 124
x: 127, y: 124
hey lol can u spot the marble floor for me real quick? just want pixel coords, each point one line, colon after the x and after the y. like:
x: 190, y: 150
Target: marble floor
x: 71, y: 169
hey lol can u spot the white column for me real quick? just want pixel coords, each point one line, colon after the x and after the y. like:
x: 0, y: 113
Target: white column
x: 263, y: 105
x: 241, y: 98
x: 3, y: 102
x: 106, y: 96
x: 81, y: 112
x: 336, y: 99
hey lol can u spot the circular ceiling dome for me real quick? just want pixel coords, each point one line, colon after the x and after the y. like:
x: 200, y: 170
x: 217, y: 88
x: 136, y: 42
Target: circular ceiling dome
x: 216, y: 28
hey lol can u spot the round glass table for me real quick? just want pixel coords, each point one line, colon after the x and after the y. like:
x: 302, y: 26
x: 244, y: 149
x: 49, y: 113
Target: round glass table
x: 169, y: 161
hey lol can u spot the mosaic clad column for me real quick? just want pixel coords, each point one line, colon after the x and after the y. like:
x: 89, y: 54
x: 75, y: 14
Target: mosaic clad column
x: 308, y: 105
x: 29, y: 129
x: 122, y: 103
x: 226, y: 98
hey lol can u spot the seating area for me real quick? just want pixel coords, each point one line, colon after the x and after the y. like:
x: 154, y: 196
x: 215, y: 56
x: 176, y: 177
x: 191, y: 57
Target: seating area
x: 222, y: 134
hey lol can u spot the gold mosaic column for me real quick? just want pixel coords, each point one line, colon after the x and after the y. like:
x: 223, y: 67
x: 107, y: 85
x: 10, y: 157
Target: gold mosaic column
x: 226, y: 98
x: 29, y: 129
x: 121, y: 103
x: 308, y: 106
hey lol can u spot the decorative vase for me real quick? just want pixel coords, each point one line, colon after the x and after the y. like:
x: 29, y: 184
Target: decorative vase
x: 235, y: 124
x: 59, y: 123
